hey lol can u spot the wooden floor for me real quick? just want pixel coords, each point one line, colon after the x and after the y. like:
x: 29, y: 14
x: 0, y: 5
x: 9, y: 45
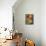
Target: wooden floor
x: 9, y: 43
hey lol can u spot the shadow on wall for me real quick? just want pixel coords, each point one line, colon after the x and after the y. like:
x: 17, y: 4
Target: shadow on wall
x: 37, y: 41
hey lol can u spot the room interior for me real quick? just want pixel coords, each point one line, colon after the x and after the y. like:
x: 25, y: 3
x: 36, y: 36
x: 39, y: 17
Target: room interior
x: 15, y: 27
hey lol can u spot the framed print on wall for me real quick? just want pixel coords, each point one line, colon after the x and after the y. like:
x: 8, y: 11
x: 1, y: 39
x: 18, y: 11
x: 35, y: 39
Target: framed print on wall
x: 29, y: 19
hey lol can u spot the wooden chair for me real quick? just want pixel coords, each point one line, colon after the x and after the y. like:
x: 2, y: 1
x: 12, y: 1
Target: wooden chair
x: 29, y: 43
x: 18, y: 39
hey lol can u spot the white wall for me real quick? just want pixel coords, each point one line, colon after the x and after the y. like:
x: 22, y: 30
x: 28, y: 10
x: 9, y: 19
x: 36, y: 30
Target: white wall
x: 30, y: 31
x: 6, y: 13
x: 43, y: 22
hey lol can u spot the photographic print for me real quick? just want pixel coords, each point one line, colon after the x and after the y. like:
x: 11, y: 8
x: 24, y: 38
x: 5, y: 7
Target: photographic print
x: 29, y: 19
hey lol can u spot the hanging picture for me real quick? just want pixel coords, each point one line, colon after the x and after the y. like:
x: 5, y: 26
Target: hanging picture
x: 29, y: 19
